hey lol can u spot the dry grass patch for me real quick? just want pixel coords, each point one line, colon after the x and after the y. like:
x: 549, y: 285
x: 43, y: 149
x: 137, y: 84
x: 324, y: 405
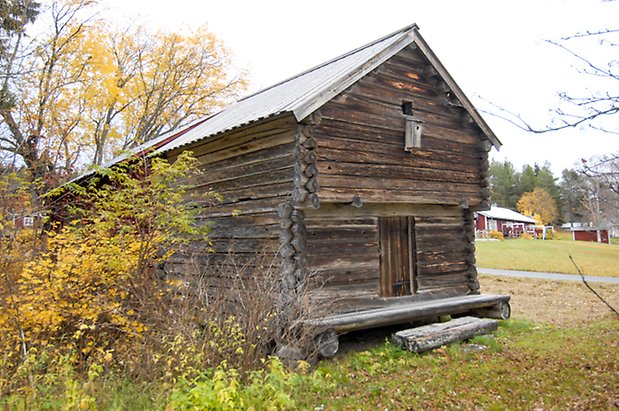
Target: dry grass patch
x: 562, y: 303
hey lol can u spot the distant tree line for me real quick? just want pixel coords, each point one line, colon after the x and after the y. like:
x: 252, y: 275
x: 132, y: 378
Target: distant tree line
x: 588, y: 193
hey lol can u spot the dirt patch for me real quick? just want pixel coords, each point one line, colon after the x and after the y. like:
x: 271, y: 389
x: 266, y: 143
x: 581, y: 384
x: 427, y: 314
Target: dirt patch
x: 562, y: 303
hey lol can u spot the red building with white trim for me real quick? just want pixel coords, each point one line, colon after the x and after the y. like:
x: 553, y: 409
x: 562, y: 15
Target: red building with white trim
x: 504, y: 220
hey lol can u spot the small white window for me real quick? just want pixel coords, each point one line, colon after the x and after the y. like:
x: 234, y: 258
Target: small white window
x: 28, y: 221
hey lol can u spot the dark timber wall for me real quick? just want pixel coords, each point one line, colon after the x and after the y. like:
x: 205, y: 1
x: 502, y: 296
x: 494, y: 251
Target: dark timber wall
x: 252, y: 169
x: 344, y: 253
x: 361, y: 140
x: 366, y: 180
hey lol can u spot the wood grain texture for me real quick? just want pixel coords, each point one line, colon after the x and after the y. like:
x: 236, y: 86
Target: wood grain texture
x: 360, y: 141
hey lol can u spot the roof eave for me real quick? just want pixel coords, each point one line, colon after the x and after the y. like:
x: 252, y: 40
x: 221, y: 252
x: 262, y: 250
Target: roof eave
x: 314, y: 102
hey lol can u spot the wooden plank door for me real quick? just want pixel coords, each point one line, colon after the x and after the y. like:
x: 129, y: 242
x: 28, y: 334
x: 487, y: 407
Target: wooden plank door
x: 397, y: 256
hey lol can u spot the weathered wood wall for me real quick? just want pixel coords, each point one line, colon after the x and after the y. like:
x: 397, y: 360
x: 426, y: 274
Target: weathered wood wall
x: 312, y: 194
x: 360, y: 140
x: 364, y: 173
x: 252, y: 169
x: 343, y: 253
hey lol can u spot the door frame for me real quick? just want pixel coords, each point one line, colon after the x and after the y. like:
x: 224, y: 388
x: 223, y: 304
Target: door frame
x: 397, y: 255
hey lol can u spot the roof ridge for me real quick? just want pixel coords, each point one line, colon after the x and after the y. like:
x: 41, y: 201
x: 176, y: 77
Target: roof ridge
x: 358, y: 49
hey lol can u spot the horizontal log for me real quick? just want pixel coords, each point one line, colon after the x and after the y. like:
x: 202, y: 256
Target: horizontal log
x: 327, y: 344
x: 382, y: 209
x: 500, y: 311
x: 423, y: 221
x: 276, y: 175
x: 369, y: 301
x: 252, y: 163
x: 339, y: 149
x: 285, y: 123
x: 341, y: 263
x: 368, y: 114
x: 271, y: 190
x: 409, y: 172
x: 406, y: 312
x: 418, y: 161
x: 440, y: 274
x: 345, y: 194
x: 394, y: 184
x: 349, y: 275
x: 234, y: 146
x: 340, y: 232
x: 435, y: 137
x: 335, y: 215
x: 245, y: 245
x: 429, y: 337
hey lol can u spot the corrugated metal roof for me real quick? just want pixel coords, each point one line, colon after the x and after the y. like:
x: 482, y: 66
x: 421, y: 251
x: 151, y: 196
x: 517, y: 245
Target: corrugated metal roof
x: 301, y: 93
x: 304, y: 93
x: 500, y: 213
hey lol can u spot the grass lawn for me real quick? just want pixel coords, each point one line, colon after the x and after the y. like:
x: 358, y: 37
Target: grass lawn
x: 559, y: 352
x: 524, y: 366
x: 549, y: 256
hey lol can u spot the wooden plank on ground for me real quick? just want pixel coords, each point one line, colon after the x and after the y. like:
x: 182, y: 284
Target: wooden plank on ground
x: 429, y: 337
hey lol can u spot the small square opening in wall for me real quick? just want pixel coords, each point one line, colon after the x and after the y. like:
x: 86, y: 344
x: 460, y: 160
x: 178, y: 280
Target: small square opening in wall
x: 407, y: 108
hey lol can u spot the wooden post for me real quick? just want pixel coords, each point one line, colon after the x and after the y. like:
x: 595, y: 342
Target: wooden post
x: 469, y: 235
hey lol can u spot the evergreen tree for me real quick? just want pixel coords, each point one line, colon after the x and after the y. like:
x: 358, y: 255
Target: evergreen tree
x: 503, y: 178
x: 573, y: 188
x: 544, y: 178
x: 527, y: 180
x: 508, y: 185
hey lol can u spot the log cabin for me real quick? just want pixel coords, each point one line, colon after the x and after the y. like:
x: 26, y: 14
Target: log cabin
x: 364, y: 171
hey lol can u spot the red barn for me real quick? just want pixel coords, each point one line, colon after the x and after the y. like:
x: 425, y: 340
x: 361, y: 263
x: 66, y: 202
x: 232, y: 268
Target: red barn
x: 590, y: 234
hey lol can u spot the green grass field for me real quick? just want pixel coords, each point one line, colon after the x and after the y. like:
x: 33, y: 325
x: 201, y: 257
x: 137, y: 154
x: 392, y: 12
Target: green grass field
x: 549, y: 256
x: 524, y: 366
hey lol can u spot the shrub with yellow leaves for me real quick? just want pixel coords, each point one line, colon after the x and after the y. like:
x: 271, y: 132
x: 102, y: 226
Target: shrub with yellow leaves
x: 90, y: 293
x: 497, y: 235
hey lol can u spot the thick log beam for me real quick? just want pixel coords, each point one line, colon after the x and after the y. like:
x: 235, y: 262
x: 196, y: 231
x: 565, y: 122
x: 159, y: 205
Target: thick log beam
x: 432, y: 336
x: 501, y: 311
x: 402, y: 313
x: 327, y: 344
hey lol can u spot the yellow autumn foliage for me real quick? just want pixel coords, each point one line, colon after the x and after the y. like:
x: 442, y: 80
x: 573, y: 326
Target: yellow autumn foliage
x: 540, y: 205
x: 76, y: 293
x: 91, y: 292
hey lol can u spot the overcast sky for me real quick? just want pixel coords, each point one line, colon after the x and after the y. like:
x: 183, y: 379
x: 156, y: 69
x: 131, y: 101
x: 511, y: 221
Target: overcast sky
x: 495, y: 50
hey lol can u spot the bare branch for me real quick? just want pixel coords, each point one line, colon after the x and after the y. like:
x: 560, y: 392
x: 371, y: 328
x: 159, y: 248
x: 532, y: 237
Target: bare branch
x: 591, y: 289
